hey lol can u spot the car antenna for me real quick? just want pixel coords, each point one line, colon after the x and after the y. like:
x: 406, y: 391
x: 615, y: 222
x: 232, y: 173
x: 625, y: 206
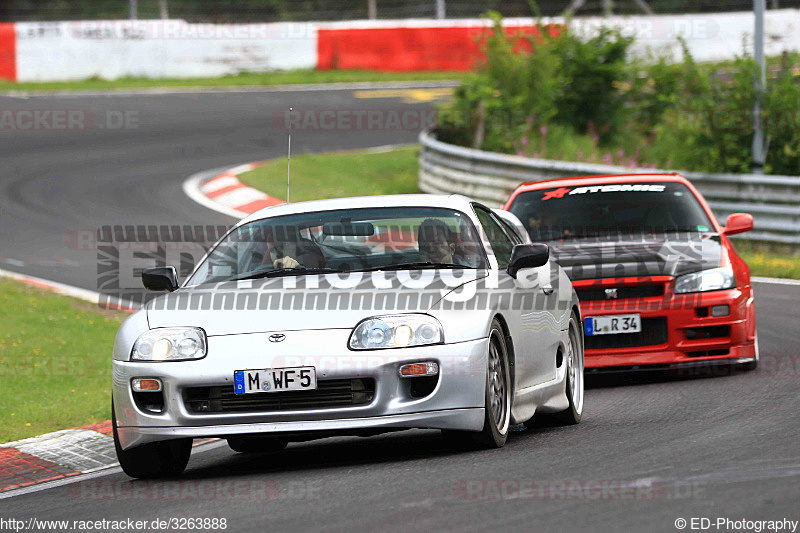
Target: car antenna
x: 289, y: 157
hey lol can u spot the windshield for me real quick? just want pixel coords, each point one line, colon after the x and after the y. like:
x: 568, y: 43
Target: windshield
x: 344, y: 241
x: 608, y: 211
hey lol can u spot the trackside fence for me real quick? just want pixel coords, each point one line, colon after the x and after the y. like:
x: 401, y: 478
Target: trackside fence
x: 774, y: 201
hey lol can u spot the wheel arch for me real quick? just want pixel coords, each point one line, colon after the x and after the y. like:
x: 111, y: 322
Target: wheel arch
x: 509, y: 348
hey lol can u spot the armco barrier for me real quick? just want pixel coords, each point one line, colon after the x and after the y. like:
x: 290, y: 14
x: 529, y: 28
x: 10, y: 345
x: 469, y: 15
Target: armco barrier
x: 774, y: 201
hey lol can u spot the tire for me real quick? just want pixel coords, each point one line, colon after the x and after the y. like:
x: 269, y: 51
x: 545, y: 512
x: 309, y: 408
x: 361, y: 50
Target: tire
x: 752, y: 365
x: 497, y: 399
x: 574, y: 383
x: 574, y: 388
x: 256, y: 444
x: 159, y: 459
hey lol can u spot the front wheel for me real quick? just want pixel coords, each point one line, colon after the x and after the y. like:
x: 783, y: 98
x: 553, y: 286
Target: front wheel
x: 752, y: 365
x: 158, y: 459
x: 497, y: 397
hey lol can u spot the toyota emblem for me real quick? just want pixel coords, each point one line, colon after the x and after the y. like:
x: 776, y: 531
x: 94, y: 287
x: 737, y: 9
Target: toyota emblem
x: 277, y: 337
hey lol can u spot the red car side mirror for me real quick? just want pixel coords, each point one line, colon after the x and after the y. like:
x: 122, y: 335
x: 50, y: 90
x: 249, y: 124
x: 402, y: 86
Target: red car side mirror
x: 738, y: 223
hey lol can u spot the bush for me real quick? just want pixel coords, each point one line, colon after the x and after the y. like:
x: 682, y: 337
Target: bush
x: 528, y: 82
x: 782, y: 121
x: 553, y: 94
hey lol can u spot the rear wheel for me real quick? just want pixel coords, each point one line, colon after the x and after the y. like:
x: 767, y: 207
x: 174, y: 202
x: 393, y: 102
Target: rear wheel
x: 497, y: 398
x: 158, y: 459
x: 247, y: 444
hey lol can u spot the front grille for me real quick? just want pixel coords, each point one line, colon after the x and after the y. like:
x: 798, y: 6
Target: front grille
x: 654, y: 331
x: 623, y: 293
x: 329, y: 394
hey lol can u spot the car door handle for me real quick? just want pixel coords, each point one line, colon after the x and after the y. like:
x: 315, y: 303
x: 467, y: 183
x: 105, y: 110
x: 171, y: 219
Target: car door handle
x: 548, y: 290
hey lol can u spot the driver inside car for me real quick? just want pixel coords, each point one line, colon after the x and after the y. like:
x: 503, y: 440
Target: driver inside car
x: 435, y: 242
x: 288, y: 249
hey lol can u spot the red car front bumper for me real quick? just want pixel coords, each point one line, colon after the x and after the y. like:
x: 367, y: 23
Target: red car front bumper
x: 676, y: 329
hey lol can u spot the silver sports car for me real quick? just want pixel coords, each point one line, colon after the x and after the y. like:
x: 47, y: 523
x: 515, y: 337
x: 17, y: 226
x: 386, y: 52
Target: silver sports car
x: 351, y: 316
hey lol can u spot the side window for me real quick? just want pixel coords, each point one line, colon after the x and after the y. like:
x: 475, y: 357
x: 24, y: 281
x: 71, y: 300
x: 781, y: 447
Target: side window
x: 501, y: 243
x: 511, y: 231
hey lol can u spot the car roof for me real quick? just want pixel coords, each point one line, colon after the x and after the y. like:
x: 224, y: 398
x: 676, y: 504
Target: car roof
x: 607, y: 179
x: 451, y: 201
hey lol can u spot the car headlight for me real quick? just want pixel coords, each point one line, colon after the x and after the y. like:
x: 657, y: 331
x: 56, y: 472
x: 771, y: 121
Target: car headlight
x: 170, y: 344
x: 713, y: 279
x: 396, y: 331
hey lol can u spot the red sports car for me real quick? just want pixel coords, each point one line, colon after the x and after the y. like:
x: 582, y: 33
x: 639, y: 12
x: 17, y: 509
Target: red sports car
x: 659, y: 281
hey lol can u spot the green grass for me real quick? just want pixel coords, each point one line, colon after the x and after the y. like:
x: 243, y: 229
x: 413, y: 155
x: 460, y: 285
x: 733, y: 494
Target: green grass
x: 55, y: 361
x: 289, y: 77
x: 339, y: 174
x: 769, y: 263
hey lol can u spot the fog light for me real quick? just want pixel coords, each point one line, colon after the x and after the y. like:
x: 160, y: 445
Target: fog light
x: 419, y: 369
x: 146, y: 385
x: 720, y: 310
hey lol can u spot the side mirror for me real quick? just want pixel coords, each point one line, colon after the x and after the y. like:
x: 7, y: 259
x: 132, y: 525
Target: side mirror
x: 738, y: 223
x: 527, y: 256
x: 160, y: 278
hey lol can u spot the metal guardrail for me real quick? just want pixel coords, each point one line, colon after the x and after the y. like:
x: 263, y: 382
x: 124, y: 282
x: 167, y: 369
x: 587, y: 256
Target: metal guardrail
x: 774, y: 201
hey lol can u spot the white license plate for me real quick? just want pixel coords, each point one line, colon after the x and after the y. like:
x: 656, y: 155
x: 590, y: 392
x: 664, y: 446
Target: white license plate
x: 275, y: 379
x: 612, y: 324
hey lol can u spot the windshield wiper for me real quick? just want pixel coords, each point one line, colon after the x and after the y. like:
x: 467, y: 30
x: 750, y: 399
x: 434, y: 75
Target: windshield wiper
x: 299, y: 271
x: 420, y: 265
x: 680, y: 229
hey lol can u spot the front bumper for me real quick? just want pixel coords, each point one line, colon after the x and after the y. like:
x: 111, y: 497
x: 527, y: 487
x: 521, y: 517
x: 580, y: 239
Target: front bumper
x: 692, y: 335
x: 455, y: 403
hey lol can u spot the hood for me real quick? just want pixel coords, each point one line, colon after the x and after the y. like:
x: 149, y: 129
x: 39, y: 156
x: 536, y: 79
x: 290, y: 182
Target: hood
x: 594, y: 260
x: 303, y: 302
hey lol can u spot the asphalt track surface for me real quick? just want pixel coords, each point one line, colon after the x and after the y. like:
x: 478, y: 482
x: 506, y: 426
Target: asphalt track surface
x: 650, y: 450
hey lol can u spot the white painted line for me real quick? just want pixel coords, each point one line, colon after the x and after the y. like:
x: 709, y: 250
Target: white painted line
x: 775, y: 281
x: 242, y: 168
x: 69, y: 290
x: 387, y: 148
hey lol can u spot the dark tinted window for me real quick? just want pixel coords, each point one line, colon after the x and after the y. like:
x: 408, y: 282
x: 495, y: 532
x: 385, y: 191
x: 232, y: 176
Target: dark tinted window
x: 589, y: 211
x: 501, y: 243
